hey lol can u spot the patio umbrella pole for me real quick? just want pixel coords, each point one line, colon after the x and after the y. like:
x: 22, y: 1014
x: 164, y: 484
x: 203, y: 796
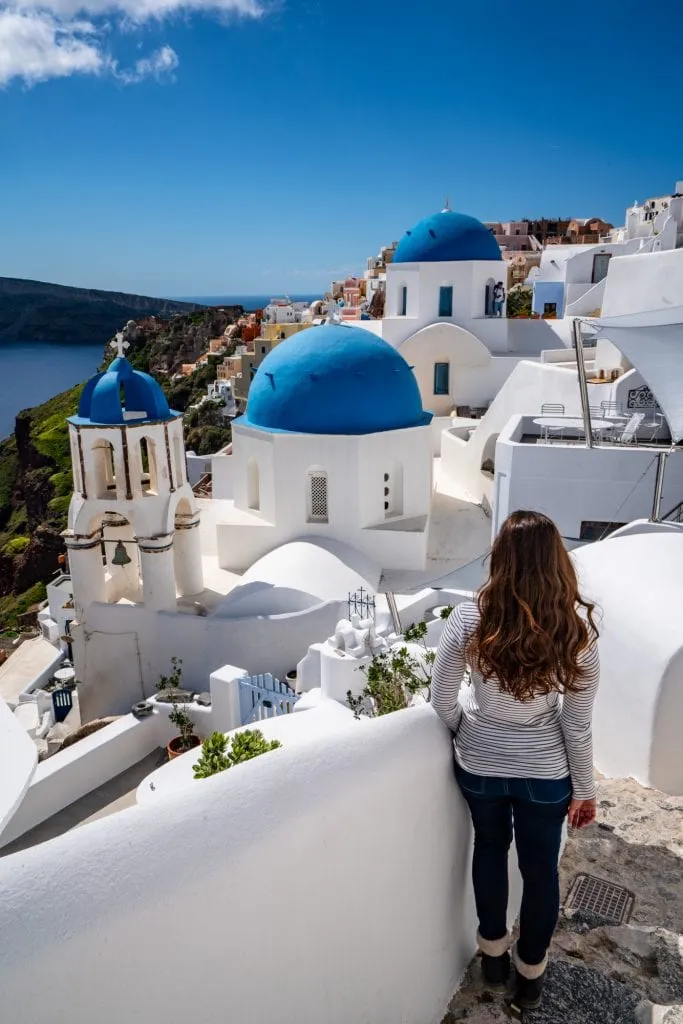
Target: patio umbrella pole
x: 583, y: 386
x: 659, y: 487
x: 393, y: 611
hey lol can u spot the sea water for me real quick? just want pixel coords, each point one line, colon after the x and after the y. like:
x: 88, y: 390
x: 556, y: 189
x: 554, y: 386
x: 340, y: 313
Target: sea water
x: 33, y: 371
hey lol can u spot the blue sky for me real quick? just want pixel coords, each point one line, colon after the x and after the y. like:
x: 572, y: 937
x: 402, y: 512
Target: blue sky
x: 189, y: 147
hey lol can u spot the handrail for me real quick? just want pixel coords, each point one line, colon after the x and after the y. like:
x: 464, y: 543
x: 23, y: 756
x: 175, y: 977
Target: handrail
x: 675, y: 515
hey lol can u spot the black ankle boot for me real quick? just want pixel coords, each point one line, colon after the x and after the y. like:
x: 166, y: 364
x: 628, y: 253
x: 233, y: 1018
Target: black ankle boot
x: 529, y: 979
x: 528, y: 992
x: 496, y: 970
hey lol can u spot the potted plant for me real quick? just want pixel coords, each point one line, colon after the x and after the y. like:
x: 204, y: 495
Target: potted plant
x: 395, y: 677
x: 216, y: 757
x: 170, y: 686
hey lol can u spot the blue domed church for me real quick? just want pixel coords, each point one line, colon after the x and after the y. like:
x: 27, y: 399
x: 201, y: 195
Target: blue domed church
x: 445, y: 311
x: 334, y: 444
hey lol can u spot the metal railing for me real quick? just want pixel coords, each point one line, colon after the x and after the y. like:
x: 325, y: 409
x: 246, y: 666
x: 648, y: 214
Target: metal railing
x: 675, y: 515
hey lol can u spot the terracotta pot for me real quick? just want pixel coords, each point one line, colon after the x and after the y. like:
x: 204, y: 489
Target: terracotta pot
x: 175, y: 749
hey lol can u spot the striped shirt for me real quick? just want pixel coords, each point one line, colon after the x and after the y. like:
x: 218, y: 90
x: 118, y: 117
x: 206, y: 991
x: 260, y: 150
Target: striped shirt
x: 546, y: 737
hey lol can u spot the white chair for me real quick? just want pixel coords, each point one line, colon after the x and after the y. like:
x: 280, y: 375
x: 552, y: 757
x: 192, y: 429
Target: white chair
x: 654, y: 424
x: 612, y: 410
x: 552, y: 409
x: 629, y: 434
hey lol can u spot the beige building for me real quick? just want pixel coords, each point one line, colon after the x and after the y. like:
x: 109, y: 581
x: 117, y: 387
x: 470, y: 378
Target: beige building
x: 250, y: 361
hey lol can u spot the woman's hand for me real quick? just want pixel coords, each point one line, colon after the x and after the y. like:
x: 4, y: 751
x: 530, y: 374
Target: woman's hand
x: 582, y: 813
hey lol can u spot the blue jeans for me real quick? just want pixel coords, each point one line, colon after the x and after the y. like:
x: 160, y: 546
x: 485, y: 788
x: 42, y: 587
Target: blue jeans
x: 538, y: 808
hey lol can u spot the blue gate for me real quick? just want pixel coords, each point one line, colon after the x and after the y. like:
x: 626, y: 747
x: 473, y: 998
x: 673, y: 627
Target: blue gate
x: 62, y: 702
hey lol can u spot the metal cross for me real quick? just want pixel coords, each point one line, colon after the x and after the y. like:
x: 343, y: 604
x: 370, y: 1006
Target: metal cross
x: 119, y: 344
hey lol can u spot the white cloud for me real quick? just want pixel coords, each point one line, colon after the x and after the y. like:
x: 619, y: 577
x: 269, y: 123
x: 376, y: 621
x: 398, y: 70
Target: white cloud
x: 35, y: 46
x: 160, y: 65
x: 42, y: 39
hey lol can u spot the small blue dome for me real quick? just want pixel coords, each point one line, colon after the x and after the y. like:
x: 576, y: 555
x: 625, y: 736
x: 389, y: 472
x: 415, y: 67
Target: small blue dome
x: 447, y: 237
x: 334, y: 379
x: 101, y: 397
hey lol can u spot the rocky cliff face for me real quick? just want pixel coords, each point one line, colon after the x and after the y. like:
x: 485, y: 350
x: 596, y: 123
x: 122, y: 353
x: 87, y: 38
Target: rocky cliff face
x: 35, y: 311
x: 35, y: 462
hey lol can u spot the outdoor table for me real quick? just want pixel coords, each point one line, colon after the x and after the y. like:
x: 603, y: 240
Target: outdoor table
x: 598, y: 424
x: 65, y: 675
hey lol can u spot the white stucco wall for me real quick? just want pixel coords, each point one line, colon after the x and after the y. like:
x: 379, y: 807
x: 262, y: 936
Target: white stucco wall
x: 355, y: 467
x: 325, y: 882
x: 526, y: 390
x: 636, y: 581
x: 18, y: 760
x: 571, y: 483
x: 468, y: 278
x: 129, y: 646
x: 222, y: 483
x: 644, y: 284
x: 475, y: 376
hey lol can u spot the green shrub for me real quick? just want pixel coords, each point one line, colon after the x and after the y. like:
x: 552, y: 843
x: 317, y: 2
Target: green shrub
x: 12, y: 606
x: 216, y: 757
x: 446, y: 611
x: 54, y: 443
x: 62, y: 484
x: 394, y: 677
x: 59, y: 506
x: 16, y: 545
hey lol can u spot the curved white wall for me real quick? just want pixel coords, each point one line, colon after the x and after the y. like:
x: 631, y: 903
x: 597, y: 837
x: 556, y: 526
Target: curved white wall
x: 18, y: 760
x: 636, y: 581
x: 327, y: 882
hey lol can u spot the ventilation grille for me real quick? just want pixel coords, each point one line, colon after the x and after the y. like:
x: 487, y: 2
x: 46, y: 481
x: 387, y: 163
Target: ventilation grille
x: 596, y: 896
x: 318, y: 484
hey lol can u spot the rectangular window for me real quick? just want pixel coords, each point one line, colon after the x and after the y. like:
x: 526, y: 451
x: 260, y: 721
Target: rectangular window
x: 403, y: 301
x: 592, y: 530
x: 549, y: 308
x: 441, y: 381
x: 600, y: 264
x: 446, y: 300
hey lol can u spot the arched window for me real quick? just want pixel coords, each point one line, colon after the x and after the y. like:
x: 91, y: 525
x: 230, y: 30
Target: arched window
x: 179, y: 462
x: 104, y: 469
x: 317, y: 496
x: 253, y: 486
x: 488, y: 456
x: 148, y: 464
x: 393, y: 491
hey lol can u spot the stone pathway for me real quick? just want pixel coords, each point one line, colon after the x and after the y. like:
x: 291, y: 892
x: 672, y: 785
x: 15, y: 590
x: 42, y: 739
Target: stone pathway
x: 601, y: 974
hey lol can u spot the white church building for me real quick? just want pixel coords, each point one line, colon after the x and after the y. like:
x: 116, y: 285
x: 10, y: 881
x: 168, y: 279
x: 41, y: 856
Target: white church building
x: 445, y: 312
x: 328, y: 486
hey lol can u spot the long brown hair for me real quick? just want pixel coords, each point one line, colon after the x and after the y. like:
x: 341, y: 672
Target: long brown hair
x: 530, y: 633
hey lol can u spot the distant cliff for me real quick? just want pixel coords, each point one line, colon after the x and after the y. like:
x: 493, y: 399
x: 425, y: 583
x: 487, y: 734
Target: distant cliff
x: 35, y: 462
x: 35, y: 311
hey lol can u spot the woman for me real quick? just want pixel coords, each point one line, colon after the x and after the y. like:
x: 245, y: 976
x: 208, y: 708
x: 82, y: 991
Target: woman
x: 523, y: 742
x: 498, y: 299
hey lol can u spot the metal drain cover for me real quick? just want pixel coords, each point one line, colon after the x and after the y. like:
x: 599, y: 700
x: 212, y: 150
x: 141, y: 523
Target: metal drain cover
x: 599, y: 897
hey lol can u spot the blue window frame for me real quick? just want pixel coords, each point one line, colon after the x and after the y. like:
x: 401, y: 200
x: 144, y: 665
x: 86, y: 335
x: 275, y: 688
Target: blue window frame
x: 403, y: 300
x: 446, y: 300
x: 441, y: 378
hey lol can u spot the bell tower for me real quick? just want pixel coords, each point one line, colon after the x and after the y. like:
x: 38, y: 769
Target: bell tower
x: 133, y: 531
